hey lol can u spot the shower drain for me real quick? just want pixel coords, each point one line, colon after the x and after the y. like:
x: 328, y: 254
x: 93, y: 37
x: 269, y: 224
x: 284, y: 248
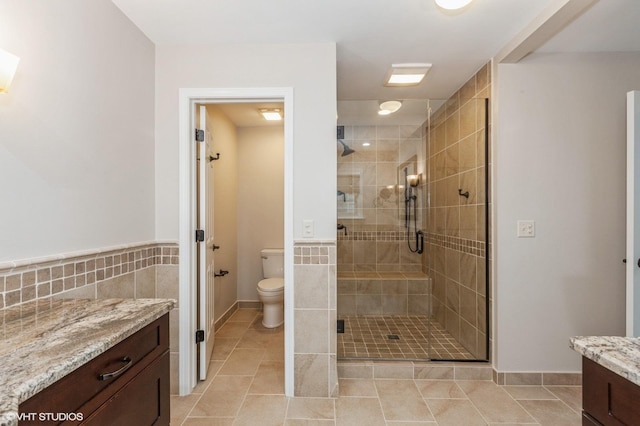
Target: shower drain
x: 393, y: 337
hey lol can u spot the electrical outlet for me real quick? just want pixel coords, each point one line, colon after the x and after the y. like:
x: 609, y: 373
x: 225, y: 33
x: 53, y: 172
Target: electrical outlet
x: 526, y: 229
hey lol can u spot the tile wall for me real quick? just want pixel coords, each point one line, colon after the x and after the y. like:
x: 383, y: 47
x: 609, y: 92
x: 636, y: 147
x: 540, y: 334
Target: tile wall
x: 146, y: 270
x: 390, y: 293
x: 372, y: 208
x: 456, y: 247
x: 315, y: 337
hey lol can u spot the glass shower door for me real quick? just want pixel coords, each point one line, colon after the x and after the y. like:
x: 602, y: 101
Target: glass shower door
x: 457, y: 236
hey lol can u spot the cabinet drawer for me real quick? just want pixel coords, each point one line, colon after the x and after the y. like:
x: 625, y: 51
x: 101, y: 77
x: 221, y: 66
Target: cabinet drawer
x: 91, y: 384
x: 127, y: 407
x: 607, y: 397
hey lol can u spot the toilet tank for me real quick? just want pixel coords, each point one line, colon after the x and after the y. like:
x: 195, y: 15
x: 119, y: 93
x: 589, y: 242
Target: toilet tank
x: 272, y: 263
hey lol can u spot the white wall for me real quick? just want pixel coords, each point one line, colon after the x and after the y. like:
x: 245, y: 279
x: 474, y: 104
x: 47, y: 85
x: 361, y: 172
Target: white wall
x: 260, y: 202
x: 76, y: 129
x: 560, y: 160
x: 309, y: 68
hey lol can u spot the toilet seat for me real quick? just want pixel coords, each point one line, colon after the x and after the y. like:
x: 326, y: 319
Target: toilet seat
x: 271, y: 285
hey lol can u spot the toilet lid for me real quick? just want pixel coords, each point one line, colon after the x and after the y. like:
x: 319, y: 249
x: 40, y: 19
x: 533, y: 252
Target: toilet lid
x: 271, y: 284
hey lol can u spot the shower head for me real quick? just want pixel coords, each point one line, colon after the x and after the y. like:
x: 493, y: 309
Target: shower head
x: 347, y: 149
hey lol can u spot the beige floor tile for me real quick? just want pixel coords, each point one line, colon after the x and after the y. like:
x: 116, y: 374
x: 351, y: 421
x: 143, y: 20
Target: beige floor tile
x: 269, y: 379
x: 263, y: 410
x: 309, y: 422
x: 242, y: 362
x: 412, y: 424
x: 529, y: 392
x: 494, y: 403
x: 552, y: 413
x: 359, y: 412
x: 274, y: 350
x: 181, y: 406
x: 223, y: 397
x: 244, y: 315
x: 208, y: 421
x: 439, y: 389
x: 202, y: 385
x: 253, y: 338
x: 455, y: 412
x: 570, y: 395
x: 357, y: 387
x: 233, y: 329
x: 222, y: 347
x: 311, y: 408
x: 401, y: 400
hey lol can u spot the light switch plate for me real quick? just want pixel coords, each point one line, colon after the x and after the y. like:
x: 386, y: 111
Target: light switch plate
x: 526, y: 229
x: 307, y: 228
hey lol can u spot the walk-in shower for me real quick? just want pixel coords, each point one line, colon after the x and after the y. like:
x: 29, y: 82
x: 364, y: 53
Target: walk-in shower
x: 412, y: 268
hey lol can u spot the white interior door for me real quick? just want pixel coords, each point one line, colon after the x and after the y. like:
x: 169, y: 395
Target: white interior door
x: 633, y: 213
x: 205, y: 248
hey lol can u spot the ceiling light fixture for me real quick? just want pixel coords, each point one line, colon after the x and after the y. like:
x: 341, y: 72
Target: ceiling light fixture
x: 406, y: 74
x: 452, y: 4
x: 389, y: 107
x: 8, y: 66
x: 271, y: 114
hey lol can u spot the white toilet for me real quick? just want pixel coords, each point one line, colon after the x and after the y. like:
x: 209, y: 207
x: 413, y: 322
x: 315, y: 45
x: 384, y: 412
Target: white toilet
x: 271, y: 289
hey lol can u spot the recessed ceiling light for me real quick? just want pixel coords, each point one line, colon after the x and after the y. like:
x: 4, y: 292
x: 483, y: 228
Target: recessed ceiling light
x: 406, y: 74
x: 452, y: 4
x: 271, y: 114
x: 391, y: 106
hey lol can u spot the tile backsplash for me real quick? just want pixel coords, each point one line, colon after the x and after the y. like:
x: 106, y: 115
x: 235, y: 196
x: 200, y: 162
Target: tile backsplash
x: 39, y: 278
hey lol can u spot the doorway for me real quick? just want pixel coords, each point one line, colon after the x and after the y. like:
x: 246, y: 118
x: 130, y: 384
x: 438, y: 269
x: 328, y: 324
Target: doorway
x: 188, y: 296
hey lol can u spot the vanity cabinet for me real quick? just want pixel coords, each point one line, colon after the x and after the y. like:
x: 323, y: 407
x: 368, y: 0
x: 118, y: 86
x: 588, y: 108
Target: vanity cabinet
x: 127, y: 384
x: 608, y: 398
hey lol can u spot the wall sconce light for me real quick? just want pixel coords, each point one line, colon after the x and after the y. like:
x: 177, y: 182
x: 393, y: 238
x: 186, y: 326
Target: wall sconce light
x: 413, y: 180
x: 8, y: 66
x: 271, y: 114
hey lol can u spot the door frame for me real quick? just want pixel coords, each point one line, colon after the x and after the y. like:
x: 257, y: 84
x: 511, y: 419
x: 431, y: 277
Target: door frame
x: 633, y: 210
x: 188, y: 97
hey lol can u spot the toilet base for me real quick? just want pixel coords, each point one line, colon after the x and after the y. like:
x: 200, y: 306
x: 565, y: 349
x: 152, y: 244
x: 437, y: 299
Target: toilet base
x: 272, y: 315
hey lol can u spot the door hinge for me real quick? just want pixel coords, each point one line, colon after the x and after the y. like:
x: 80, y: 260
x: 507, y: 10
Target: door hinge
x: 340, y: 326
x: 199, y: 135
x: 199, y: 235
x: 199, y: 336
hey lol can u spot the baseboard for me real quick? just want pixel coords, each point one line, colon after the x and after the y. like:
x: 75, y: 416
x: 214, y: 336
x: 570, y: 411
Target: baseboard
x: 537, y: 378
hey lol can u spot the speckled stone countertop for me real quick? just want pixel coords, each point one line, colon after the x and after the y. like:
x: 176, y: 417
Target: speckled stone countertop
x: 618, y: 354
x: 42, y: 341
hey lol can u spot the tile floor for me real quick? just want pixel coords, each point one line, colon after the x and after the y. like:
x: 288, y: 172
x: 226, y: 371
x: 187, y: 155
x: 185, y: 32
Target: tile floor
x: 245, y: 387
x: 367, y: 337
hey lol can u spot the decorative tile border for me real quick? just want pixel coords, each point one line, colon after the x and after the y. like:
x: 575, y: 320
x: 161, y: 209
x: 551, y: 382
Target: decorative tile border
x: 312, y: 253
x: 38, y: 278
x: 374, y: 236
x: 477, y: 248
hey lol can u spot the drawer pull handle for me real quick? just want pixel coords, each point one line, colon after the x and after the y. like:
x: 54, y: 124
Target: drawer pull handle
x: 107, y: 376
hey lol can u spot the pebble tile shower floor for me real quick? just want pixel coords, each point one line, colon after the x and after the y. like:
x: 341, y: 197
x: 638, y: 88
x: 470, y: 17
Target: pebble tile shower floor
x: 374, y: 337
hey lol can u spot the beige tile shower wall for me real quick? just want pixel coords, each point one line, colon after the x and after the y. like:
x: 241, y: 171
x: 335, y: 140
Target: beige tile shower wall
x: 376, y: 239
x: 383, y: 296
x: 456, y: 241
x: 148, y: 270
x: 315, y: 337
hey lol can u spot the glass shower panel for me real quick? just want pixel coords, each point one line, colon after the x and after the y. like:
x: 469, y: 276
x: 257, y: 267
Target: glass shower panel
x: 457, y: 231
x: 383, y: 291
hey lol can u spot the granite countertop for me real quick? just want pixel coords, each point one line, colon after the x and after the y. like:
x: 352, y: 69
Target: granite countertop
x: 618, y: 354
x: 43, y: 341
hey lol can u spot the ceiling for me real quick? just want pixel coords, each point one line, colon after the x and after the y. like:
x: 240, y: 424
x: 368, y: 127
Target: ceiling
x: 370, y: 35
